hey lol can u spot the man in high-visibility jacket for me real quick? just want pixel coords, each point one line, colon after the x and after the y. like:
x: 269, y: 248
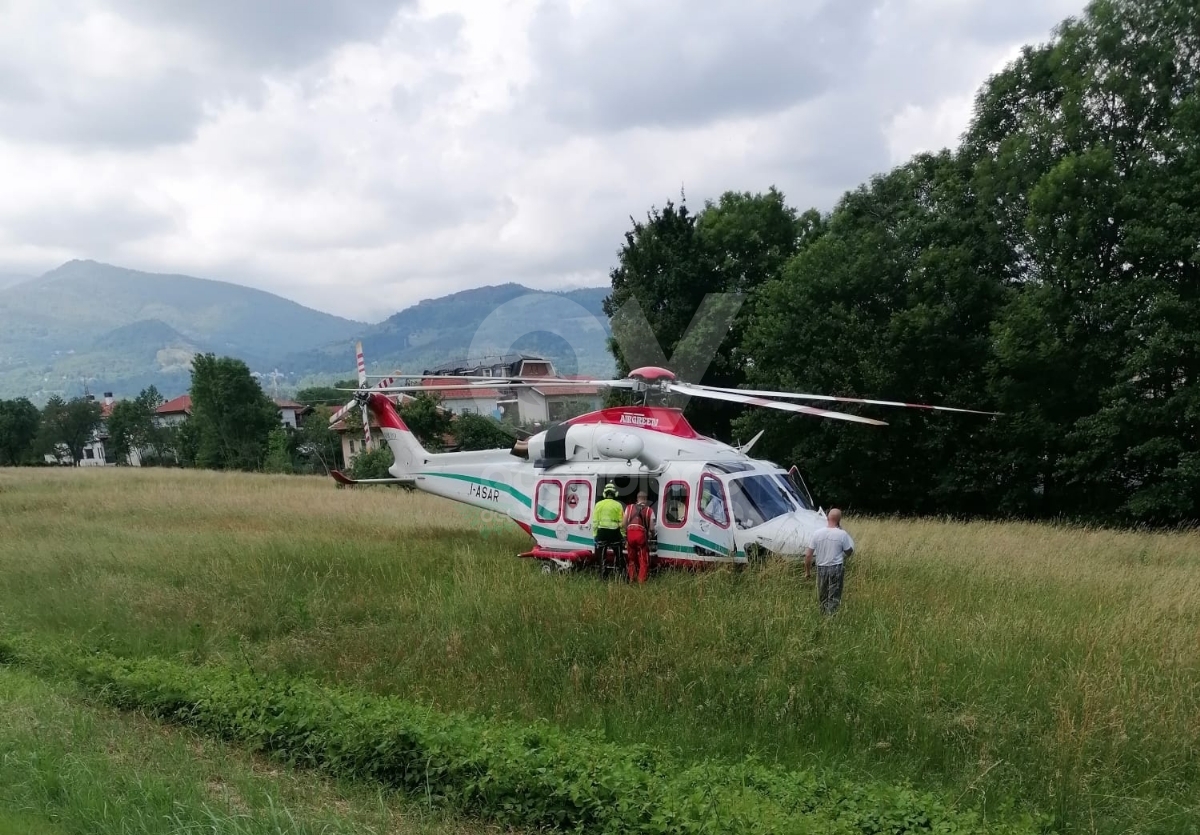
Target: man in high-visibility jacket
x: 608, y: 523
x: 639, y: 524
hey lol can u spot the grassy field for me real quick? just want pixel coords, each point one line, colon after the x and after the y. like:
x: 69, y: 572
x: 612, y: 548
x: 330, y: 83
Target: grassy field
x: 1055, y: 667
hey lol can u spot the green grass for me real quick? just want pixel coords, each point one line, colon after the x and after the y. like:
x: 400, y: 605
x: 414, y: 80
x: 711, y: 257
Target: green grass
x: 67, y: 768
x: 1051, y: 665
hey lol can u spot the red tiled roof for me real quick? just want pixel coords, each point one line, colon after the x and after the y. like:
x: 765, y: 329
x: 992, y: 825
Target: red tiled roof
x: 291, y: 404
x: 559, y: 391
x: 467, y: 393
x: 180, y: 405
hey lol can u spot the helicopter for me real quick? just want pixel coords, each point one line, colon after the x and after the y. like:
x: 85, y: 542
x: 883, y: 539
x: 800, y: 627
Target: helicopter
x: 713, y: 502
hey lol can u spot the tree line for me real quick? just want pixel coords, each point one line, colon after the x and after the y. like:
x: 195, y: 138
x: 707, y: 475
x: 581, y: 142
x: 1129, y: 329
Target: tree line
x: 1048, y: 268
x: 233, y: 425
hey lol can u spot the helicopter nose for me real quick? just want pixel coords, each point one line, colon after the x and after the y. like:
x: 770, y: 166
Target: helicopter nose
x: 787, y: 536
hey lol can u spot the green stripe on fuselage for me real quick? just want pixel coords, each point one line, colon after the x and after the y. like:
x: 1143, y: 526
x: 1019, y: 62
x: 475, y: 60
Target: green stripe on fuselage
x: 483, y: 482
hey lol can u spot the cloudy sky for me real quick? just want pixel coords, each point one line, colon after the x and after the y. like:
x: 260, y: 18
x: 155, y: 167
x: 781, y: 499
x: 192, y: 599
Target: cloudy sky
x: 360, y: 156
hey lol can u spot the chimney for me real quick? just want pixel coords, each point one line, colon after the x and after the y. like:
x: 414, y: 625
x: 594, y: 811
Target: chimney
x: 108, y: 398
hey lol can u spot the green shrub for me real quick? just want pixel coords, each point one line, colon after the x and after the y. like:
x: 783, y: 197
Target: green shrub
x: 520, y: 775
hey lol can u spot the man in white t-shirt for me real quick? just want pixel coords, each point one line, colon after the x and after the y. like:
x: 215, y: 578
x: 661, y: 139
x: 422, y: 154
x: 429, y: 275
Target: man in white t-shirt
x: 829, y: 548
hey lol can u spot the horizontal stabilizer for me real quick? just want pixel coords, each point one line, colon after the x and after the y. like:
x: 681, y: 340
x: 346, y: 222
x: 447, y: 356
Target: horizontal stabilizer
x: 342, y: 478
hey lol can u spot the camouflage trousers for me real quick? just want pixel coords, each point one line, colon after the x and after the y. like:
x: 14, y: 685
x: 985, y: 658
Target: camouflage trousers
x: 829, y: 587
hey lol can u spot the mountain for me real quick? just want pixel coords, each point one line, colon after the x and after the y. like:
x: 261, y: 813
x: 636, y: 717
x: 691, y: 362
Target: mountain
x: 568, y: 327
x: 118, y: 328
x: 9, y: 279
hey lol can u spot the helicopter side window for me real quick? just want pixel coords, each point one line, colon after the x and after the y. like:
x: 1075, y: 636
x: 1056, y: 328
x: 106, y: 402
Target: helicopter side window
x: 713, y: 506
x: 577, y: 506
x: 675, y: 505
x: 549, y: 501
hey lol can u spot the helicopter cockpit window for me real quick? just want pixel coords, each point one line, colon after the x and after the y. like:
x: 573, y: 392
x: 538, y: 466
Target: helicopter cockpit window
x: 757, y: 499
x: 549, y: 501
x: 789, y: 483
x: 712, y: 500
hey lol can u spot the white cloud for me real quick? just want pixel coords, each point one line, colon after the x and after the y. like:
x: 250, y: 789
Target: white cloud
x: 361, y: 160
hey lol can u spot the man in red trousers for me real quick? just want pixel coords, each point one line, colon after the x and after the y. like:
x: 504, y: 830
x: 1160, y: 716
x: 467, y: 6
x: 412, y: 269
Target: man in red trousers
x: 639, y: 523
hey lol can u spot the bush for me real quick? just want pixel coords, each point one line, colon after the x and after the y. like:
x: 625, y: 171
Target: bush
x: 519, y: 775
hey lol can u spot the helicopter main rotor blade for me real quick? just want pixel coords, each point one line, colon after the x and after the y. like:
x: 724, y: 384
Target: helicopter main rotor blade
x: 830, y: 398
x: 739, y: 397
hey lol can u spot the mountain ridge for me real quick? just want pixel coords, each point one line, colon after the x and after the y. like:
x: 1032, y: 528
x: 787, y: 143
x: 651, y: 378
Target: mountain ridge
x: 105, y: 327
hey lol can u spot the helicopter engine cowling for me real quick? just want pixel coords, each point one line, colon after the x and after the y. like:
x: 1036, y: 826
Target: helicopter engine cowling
x: 625, y: 446
x: 619, y: 445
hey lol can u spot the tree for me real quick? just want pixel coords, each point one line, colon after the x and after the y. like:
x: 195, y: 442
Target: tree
x: 326, y: 395
x: 472, y: 431
x: 232, y: 416
x: 424, y: 416
x: 18, y: 429
x: 674, y: 260
x: 1086, y: 154
x: 70, y: 424
x: 279, y: 454
x: 891, y: 301
x: 317, y: 445
x: 132, y: 428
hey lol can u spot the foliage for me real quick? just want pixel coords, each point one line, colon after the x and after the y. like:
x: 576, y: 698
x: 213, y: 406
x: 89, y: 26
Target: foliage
x: 132, y: 427
x: 425, y: 418
x: 18, y: 428
x: 318, y: 447
x: 373, y: 463
x: 68, y: 424
x: 1047, y: 268
x: 233, y: 418
x: 518, y: 775
x: 279, y: 455
x: 472, y: 431
x: 944, y: 666
x: 672, y: 261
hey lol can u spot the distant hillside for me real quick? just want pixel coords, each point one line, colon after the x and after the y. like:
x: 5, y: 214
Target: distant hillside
x: 568, y: 327
x: 9, y: 279
x: 121, y: 330
x: 122, y: 327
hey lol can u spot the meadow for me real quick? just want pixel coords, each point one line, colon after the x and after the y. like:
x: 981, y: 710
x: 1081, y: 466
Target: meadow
x: 1007, y: 665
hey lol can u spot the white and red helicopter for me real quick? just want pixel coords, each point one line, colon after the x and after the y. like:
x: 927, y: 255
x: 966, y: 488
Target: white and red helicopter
x: 713, y: 502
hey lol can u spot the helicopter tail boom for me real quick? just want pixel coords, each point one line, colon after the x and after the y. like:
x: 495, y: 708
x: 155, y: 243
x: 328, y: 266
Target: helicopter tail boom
x: 409, y: 454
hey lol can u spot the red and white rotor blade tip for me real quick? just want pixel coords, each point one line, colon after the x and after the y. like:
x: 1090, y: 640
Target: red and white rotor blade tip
x: 830, y: 398
x: 749, y: 400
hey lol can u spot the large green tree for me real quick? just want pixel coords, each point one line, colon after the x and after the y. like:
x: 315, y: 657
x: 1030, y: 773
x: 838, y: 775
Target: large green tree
x: 232, y: 417
x: 18, y: 428
x: 1087, y: 153
x: 70, y: 424
x: 132, y: 428
x: 893, y: 300
x: 675, y: 260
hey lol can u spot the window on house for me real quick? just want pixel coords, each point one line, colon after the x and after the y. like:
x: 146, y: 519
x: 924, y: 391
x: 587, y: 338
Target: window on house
x: 89, y: 454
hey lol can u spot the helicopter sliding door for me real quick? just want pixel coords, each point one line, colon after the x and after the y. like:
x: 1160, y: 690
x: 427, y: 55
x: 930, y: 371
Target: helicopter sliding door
x: 628, y: 486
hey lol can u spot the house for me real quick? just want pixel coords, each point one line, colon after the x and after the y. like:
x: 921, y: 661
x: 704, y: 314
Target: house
x: 174, y: 412
x: 96, y: 452
x: 459, y: 398
x: 290, y: 412
x: 524, y: 405
x: 506, y: 365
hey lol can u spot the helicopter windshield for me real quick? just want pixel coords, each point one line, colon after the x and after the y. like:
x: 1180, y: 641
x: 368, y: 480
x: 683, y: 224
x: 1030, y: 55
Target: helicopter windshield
x: 757, y: 499
x: 793, y: 490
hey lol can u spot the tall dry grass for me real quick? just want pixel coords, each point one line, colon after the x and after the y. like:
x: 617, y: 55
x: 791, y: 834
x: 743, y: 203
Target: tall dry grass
x: 1056, y: 666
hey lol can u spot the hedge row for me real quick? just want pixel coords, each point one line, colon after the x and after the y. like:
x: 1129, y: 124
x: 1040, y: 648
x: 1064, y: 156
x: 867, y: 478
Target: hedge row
x: 522, y: 775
